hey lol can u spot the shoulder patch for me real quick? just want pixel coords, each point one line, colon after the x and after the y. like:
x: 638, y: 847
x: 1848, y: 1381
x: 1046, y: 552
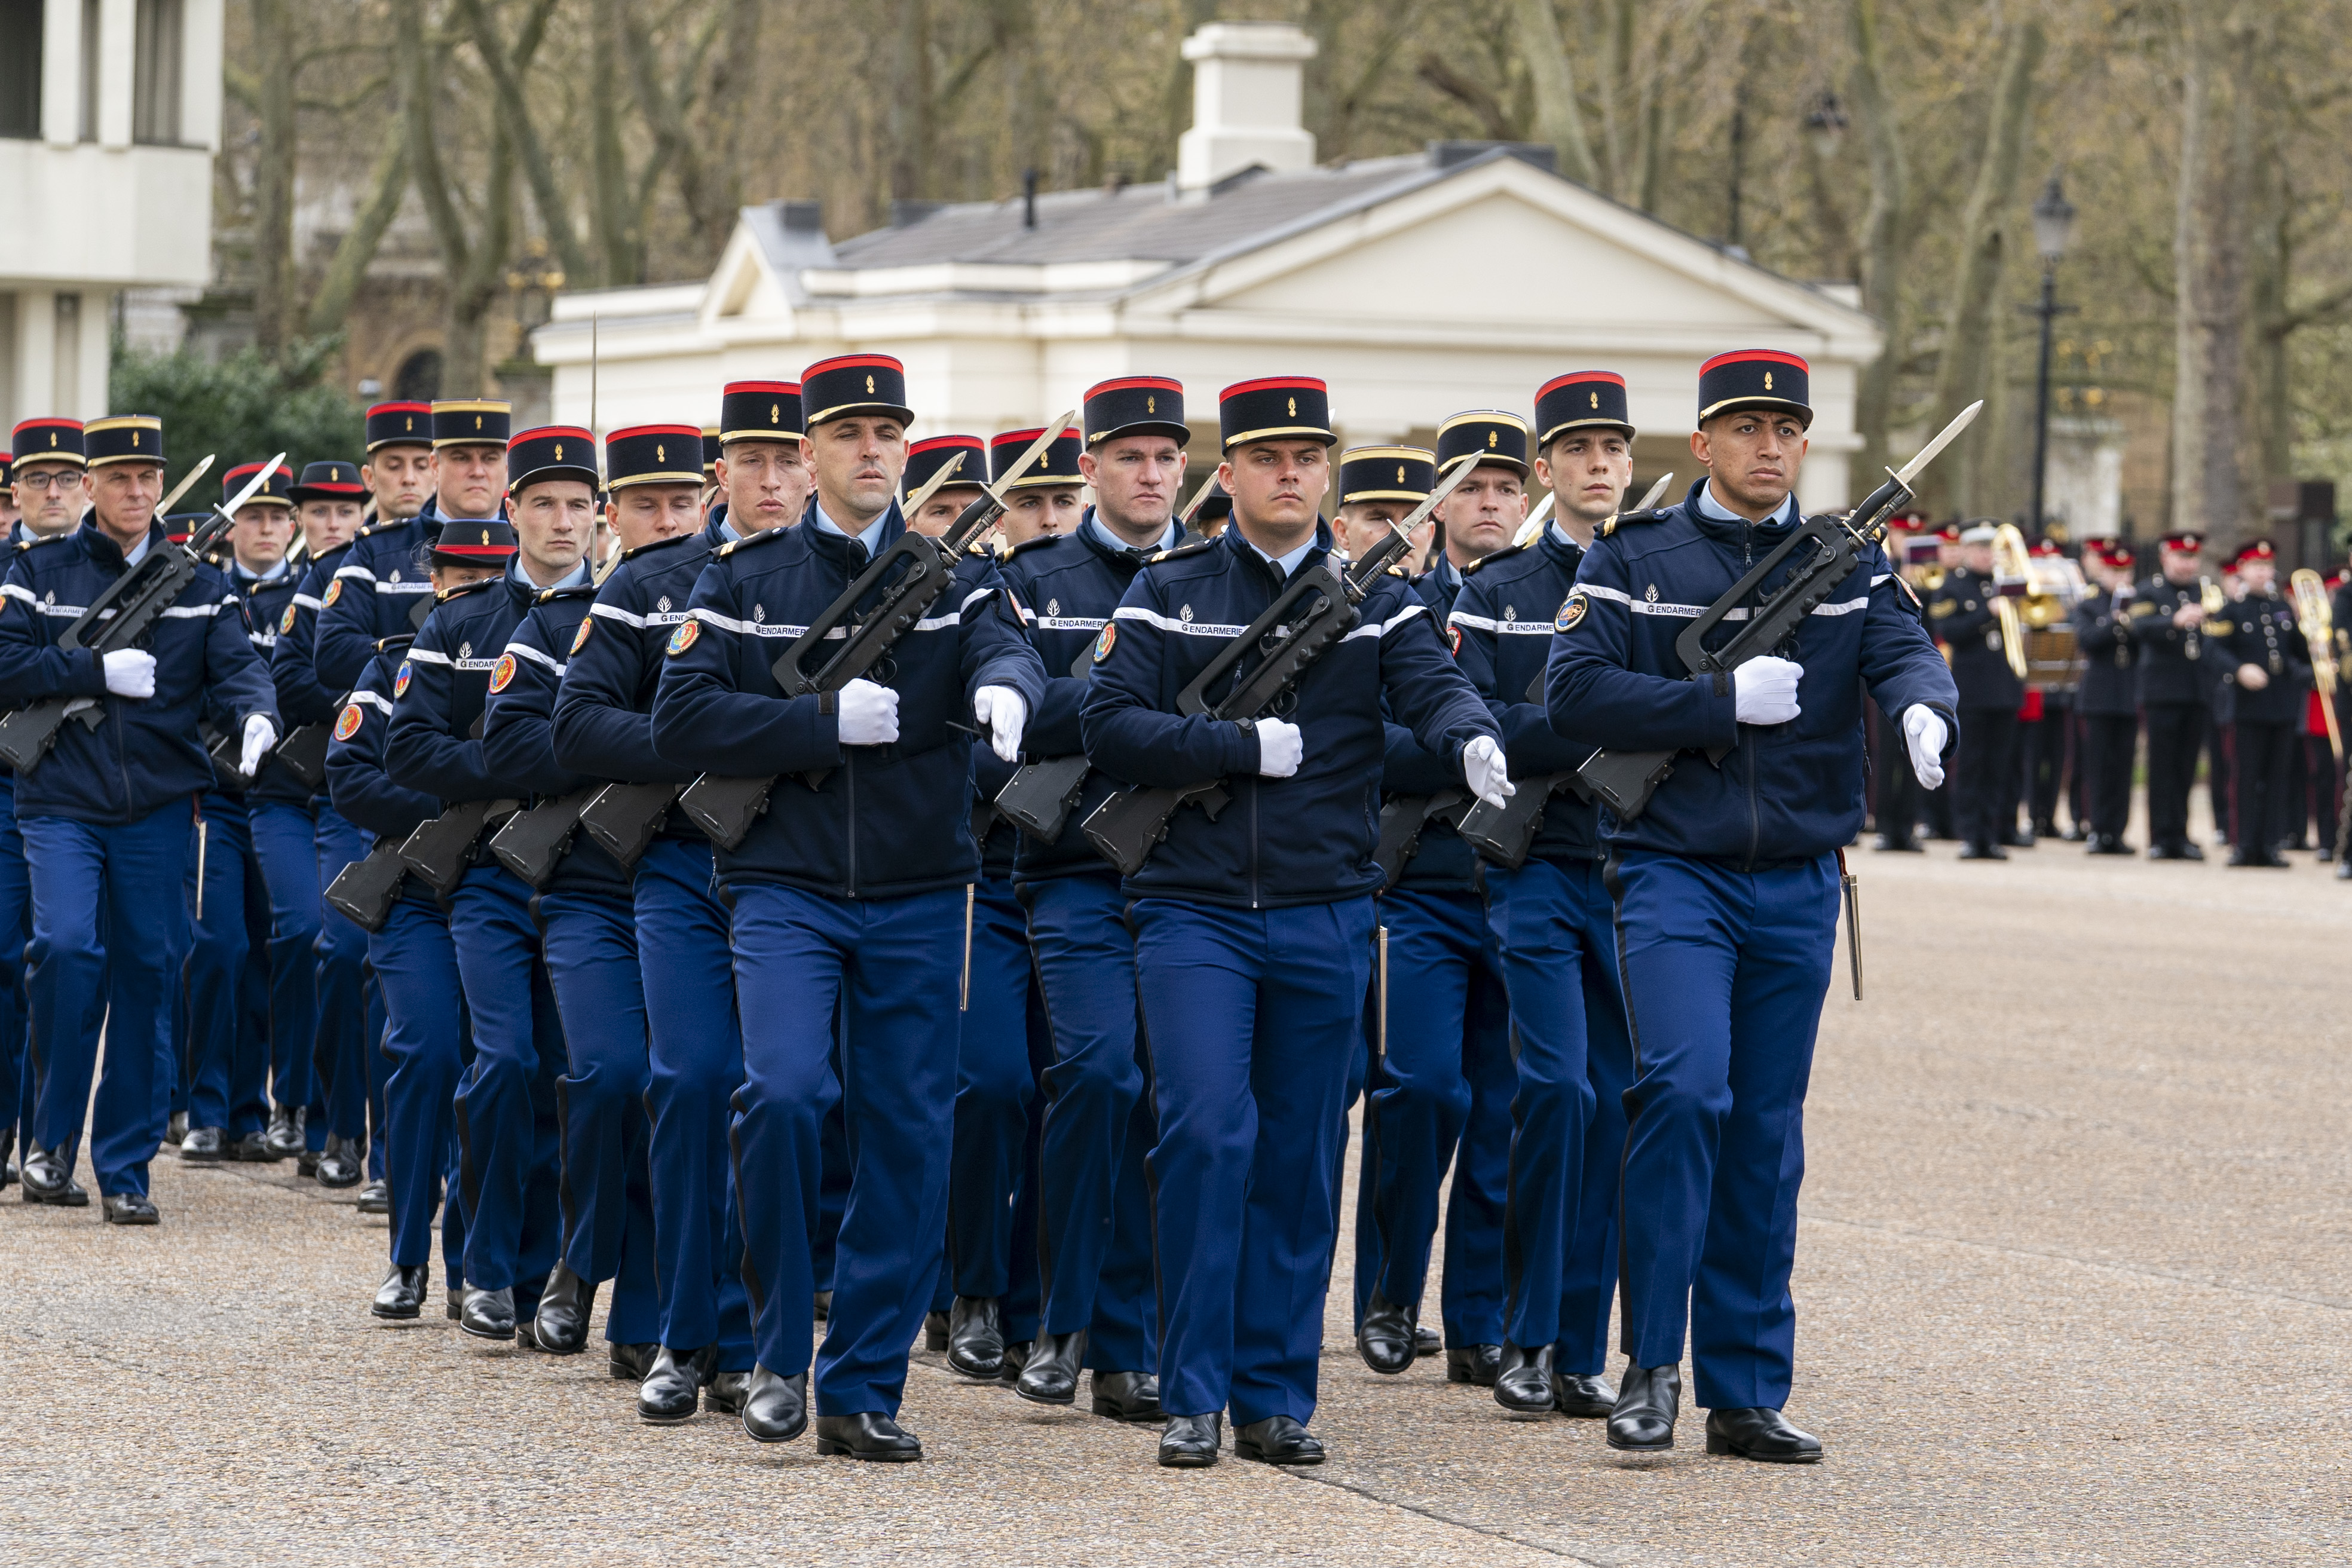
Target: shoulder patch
x: 399, y: 681
x: 1655, y: 514
x: 286, y: 621
x: 503, y: 674
x: 683, y: 637
x: 749, y: 539
x: 347, y: 722
x: 1033, y: 544
x: 334, y: 590
x: 1105, y: 640
x: 1181, y: 552
x: 1571, y: 611
x: 580, y: 637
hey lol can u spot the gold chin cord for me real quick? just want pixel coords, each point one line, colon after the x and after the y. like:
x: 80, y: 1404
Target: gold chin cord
x: 1852, y: 886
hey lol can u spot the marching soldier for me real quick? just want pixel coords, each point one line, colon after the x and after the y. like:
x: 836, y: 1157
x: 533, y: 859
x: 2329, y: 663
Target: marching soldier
x: 1093, y: 1198
x: 507, y: 1115
x: 1726, y: 891
x: 2266, y: 663
x: 852, y: 893
x: 1551, y: 916
x: 2110, y: 716
x: 2167, y: 623
x: 1441, y: 1092
x: 604, y: 726
x: 584, y: 909
x: 105, y: 816
x: 2045, y: 746
x: 1962, y: 610
x: 1368, y: 508
x: 1254, y: 930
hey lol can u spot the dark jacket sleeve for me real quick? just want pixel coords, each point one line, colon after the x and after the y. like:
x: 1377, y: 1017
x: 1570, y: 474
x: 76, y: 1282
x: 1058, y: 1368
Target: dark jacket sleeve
x: 994, y: 648
x: 705, y: 722
x: 237, y: 682
x: 518, y: 721
x: 1423, y: 688
x: 300, y: 696
x: 32, y: 668
x: 1899, y: 660
x: 1592, y: 697
x: 345, y: 631
x: 598, y: 729
x: 1534, y: 748
x: 1131, y: 730
x: 420, y: 753
x: 361, y: 791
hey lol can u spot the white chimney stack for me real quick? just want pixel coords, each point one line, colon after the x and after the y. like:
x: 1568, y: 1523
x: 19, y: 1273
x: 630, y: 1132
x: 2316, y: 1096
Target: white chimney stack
x: 1246, y: 89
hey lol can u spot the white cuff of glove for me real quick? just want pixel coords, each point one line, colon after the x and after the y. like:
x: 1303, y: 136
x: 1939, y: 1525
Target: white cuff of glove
x: 1486, y: 771
x: 867, y: 714
x: 1764, y: 691
x: 1925, y: 732
x: 1280, y: 748
x: 260, y: 734
x: 1000, y: 709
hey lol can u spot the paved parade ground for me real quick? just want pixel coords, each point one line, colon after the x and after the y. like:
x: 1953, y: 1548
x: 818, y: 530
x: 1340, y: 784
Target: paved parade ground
x: 2075, y: 1281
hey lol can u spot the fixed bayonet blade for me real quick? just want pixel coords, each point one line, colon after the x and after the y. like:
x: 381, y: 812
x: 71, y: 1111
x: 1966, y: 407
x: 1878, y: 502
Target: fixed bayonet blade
x: 260, y: 478
x: 1437, y: 497
x: 1533, y: 524
x: 1652, y: 496
x: 181, y: 488
x: 1192, y: 508
x: 931, y: 487
x: 1944, y: 438
x: 1045, y: 439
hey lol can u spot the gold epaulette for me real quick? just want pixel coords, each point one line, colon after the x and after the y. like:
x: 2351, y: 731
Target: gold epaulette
x: 1179, y: 552
x: 749, y: 539
x: 1513, y: 548
x: 1655, y: 514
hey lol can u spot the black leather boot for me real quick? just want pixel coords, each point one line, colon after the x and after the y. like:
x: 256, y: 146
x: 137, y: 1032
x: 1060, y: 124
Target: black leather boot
x: 563, y: 1309
x: 1583, y: 1394
x: 129, y: 1208
x: 285, y: 1134
x: 935, y: 1332
x: 202, y: 1145
x: 775, y: 1409
x: 724, y: 1393
x: 1190, y: 1442
x: 1473, y: 1363
x: 976, y: 1338
x: 1760, y: 1433
x: 341, y: 1164
x: 48, y: 1179
x: 376, y: 1197
x: 672, y: 1390
x: 629, y: 1363
x: 1050, y: 1375
x: 1126, y: 1395
x: 489, y: 1315
x: 401, y: 1297
x: 1644, y: 1420
x: 868, y: 1434
x: 1386, y: 1338
x: 1277, y: 1440
x: 1523, y: 1382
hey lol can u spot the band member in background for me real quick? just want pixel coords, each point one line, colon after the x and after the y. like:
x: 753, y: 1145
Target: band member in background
x: 2174, y: 690
x: 1962, y: 612
x: 2104, y: 702
x: 2263, y: 659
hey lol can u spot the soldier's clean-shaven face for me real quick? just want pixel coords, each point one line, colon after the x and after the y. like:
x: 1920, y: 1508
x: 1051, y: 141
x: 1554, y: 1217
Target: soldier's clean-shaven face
x: 469, y: 479
x: 399, y: 477
x: 766, y: 483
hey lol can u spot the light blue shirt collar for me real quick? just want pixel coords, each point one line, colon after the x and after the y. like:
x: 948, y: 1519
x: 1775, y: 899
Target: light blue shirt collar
x: 140, y: 553
x: 1092, y: 527
x: 578, y: 577
x: 1285, y: 564
x: 1561, y: 536
x: 870, y: 537
x: 1710, y: 507
x: 277, y: 569
x: 729, y: 531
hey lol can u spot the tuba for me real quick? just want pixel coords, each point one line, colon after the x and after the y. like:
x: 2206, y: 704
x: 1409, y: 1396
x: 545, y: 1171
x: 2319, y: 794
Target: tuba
x: 2034, y: 599
x: 2313, y: 613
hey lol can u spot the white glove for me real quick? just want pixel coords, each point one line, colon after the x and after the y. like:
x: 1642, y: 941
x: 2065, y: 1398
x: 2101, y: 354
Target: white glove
x: 1764, y: 691
x: 1488, y: 774
x: 1000, y: 709
x: 868, y: 714
x: 130, y: 673
x: 1279, y: 748
x: 260, y: 734
x: 1925, y: 732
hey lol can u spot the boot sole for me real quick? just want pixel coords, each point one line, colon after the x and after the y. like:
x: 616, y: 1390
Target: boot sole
x: 1259, y: 1457
x: 410, y: 1316
x: 1067, y: 1399
x: 1109, y: 1412
x: 1725, y: 1447
x: 651, y: 1419
x: 826, y: 1446
x: 1187, y: 1461
x: 1666, y: 1447
x: 66, y: 1201
x: 488, y: 1336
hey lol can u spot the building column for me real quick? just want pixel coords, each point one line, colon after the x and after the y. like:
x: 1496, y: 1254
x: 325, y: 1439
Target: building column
x: 118, y: 57
x: 36, y: 339
x: 91, y: 399
x: 60, y: 74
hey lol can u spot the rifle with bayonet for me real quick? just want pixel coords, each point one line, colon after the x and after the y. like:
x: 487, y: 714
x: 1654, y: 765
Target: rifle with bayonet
x: 1832, y: 547
x: 1306, y: 620
x: 1040, y: 797
x: 119, y: 618
x: 909, y: 577
x: 1506, y: 835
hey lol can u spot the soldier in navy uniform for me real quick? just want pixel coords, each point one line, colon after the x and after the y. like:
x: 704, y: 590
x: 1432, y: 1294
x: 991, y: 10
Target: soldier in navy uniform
x: 1982, y: 779
x: 586, y: 915
x: 2174, y: 689
x: 853, y: 893
x: 604, y: 726
x: 2263, y: 659
x: 1254, y: 931
x: 507, y: 1114
x: 1551, y: 918
x: 2110, y: 717
x: 1369, y: 504
x: 106, y: 817
x: 1440, y: 1094
x: 1092, y: 1197
x: 1726, y: 890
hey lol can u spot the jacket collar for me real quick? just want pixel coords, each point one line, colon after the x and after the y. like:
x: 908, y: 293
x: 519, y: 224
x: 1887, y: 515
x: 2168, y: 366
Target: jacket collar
x: 836, y: 548
x: 1109, y: 546
x: 1241, y: 549
x: 1559, y: 552
x: 1737, y: 530
x: 101, y: 544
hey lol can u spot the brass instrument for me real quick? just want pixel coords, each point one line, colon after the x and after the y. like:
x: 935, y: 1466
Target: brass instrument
x: 2317, y: 620
x: 2034, y: 599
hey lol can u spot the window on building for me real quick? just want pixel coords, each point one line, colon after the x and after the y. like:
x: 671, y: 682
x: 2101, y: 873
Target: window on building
x: 20, y: 67
x: 90, y: 75
x: 155, y: 79
x: 419, y: 377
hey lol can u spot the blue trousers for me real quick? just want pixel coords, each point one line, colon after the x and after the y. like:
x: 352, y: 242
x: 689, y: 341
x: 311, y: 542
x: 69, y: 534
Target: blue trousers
x: 105, y: 947
x: 893, y: 966
x: 1575, y: 1059
x: 1252, y: 1017
x: 1725, y: 972
x: 347, y: 988
x: 284, y: 844
x: 227, y: 1056
x: 508, y: 1140
x: 16, y: 933
x: 995, y: 1087
x: 1442, y: 1096
x: 695, y: 1066
x: 1094, y: 1201
x: 604, y: 1195
x: 416, y: 963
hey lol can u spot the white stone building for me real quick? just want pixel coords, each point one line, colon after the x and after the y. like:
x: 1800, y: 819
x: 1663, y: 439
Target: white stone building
x: 1417, y: 285
x: 109, y: 115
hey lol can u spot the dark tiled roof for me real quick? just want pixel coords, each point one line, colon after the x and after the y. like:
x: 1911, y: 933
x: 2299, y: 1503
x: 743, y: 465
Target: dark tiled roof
x: 1136, y: 224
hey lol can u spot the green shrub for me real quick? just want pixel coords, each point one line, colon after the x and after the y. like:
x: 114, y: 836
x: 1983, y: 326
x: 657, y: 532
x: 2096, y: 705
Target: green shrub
x: 241, y: 409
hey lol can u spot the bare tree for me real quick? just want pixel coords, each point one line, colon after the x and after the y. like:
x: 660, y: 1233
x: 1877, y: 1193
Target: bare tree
x: 2217, y: 148
x: 1881, y: 252
x: 1558, y: 114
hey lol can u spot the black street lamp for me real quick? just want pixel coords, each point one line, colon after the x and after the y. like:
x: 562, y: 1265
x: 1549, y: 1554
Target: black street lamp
x: 2054, y: 224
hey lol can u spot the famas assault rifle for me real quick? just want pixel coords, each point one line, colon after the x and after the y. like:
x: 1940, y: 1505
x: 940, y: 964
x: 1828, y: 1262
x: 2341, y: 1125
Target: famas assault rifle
x: 119, y: 618
x: 363, y: 890
x: 1306, y: 620
x: 725, y: 808
x: 1831, y: 547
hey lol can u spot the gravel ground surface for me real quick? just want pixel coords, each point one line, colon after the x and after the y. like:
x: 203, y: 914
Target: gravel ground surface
x: 2072, y: 1283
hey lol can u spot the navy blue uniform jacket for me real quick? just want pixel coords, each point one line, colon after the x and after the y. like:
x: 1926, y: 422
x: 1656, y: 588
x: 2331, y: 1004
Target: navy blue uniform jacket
x: 1067, y: 587
x: 887, y: 821
x: 442, y: 687
x: 519, y: 729
x: 2104, y: 639
x: 1502, y: 625
x: 357, y: 784
x: 604, y: 706
x: 1962, y: 613
x: 1786, y: 792
x: 1305, y: 839
x: 379, y: 580
x: 2260, y: 630
x: 2173, y: 671
x: 269, y: 604
x: 145, y: 753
